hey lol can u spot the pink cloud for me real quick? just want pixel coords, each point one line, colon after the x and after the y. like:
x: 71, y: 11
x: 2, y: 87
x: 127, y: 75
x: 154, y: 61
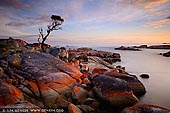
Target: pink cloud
x: 152, y: 3
x: 159, y: 23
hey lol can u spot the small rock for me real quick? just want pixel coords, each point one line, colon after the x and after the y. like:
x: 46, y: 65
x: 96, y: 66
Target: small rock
x: 144, y: 76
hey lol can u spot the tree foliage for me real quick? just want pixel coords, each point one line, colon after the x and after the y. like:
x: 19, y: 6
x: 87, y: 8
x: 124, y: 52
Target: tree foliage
x: 56, y: 22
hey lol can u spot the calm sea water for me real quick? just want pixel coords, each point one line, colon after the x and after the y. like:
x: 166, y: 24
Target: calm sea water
x: 158, y: 67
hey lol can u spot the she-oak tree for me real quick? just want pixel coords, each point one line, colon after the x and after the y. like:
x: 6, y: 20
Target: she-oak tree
x: 55, y: 25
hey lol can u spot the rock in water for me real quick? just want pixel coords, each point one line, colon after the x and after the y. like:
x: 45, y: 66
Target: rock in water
x: 114, y: 90
x: 144, y: 76
x: 145, y: 108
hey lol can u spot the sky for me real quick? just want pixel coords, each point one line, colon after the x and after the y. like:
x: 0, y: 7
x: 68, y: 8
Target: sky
x: 88, y: 22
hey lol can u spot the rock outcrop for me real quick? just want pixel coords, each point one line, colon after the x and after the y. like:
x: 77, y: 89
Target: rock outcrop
x: 43, y: 76
x: 127, y: 48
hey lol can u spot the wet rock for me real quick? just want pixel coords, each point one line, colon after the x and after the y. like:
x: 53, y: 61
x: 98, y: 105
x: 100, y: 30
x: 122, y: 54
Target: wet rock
x: 79, y: 94
x: 73, y: 109
x: 9, y: 94
x: 145, y: 108
x: 22, y: 107
x: 144, y: 76
x: 167, y: 54
x: 114, y: 90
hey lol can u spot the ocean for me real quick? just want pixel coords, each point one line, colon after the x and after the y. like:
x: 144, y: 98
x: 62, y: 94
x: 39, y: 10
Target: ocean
x: 150, y: 62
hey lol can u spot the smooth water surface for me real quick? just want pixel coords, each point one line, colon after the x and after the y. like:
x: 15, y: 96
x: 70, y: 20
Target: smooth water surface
x: 158, y: 67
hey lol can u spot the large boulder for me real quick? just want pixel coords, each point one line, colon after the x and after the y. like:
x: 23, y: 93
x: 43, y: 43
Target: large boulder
x: 145, y: 108
x: 45, y: 76
x: 114, y: 90
x: 135, y: 84
x: 9, y: 94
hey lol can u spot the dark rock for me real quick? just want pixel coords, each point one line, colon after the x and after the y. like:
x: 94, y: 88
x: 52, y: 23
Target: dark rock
x: 144, y: 76
x: 145, y: 108
x: 114, y: 90
x: 159, y: 47
x: 4, y: 64
x: 54, y: 52
x: 86, y: 108
x: 142, y: 46
x: 167, y: 54
x: 127, y: 48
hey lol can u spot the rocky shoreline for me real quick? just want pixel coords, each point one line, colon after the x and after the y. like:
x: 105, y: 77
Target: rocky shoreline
x: 64, y: 80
